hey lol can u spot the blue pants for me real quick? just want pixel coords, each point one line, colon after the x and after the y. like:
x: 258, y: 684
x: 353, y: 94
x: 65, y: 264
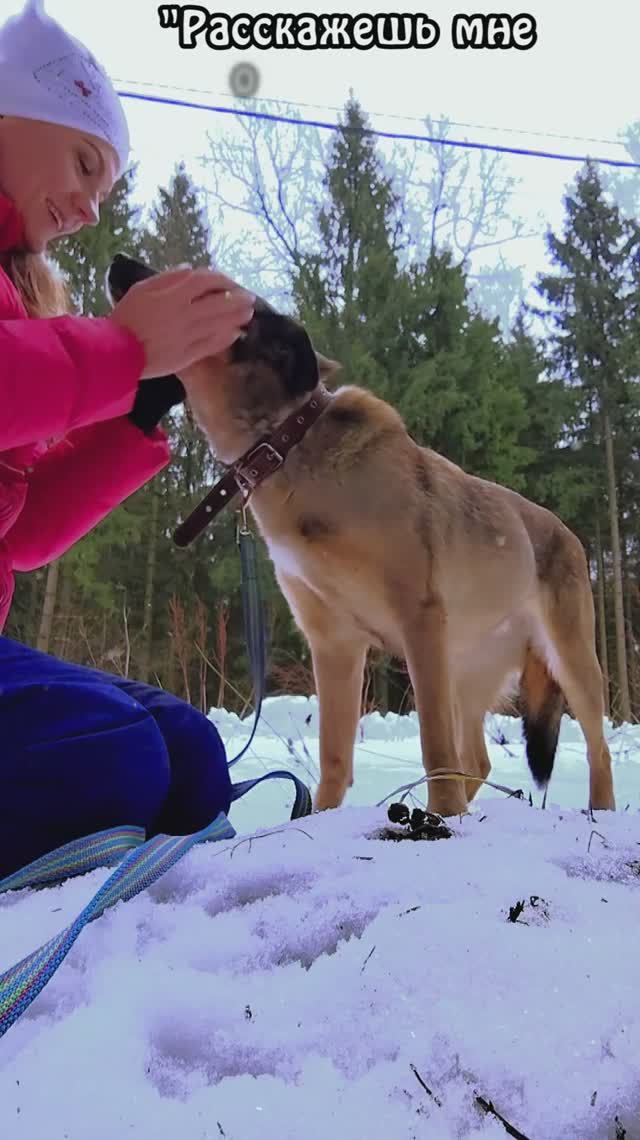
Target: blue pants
x: 81, y: 751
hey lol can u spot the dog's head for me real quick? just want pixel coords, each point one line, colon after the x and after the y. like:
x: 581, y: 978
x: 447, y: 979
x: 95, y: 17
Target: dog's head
x: 272, y: 365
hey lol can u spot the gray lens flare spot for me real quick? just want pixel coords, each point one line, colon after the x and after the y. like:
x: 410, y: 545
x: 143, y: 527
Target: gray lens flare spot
x: 244, y: 80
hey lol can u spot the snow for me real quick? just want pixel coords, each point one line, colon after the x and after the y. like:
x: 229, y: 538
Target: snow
x: 308, y: 982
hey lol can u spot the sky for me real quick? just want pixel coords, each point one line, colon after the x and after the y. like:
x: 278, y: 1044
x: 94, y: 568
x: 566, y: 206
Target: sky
x: 579, y: 80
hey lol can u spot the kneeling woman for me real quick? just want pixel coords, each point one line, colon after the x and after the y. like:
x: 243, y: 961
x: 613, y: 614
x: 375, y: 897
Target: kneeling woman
x: 81, y: 750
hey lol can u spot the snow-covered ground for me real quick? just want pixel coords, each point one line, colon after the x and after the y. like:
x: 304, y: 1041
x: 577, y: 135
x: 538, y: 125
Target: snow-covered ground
x: 311, y: 983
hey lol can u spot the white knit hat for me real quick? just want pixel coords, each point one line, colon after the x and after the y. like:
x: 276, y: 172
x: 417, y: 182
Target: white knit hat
x: 47, y: 74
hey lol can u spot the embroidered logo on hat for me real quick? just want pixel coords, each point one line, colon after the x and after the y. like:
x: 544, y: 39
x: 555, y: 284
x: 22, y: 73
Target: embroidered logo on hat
x: 73, y: 79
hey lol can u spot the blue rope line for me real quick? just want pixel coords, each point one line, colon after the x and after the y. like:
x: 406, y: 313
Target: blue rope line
x: 522, y: 151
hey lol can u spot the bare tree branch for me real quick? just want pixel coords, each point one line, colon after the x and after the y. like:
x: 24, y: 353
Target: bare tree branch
x: 262, y: 172
x: 265, y: 173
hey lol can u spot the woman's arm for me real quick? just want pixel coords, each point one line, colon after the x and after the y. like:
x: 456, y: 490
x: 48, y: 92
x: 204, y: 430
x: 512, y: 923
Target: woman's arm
x: 77, y: 483
x: 63, y: 373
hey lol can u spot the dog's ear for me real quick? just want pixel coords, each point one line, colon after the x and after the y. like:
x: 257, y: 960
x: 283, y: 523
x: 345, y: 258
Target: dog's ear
x: 124, y: 272
x: 303, y: 366
x: 326, y: 367
x: 308, y: 368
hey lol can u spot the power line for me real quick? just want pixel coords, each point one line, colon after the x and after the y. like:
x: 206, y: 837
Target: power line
x: 406, y: 137
x: 389, y: 115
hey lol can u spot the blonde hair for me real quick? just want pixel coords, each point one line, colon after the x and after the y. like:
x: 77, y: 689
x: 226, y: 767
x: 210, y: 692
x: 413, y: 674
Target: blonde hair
x: 41, y: 287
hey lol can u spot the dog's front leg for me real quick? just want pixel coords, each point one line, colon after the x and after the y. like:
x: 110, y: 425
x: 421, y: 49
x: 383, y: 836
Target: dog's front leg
x: 338, y: 668
x: 425, y: 645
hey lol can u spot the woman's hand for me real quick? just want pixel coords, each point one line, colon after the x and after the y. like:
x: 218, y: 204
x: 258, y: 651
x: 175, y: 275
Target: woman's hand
x: 182, y: 316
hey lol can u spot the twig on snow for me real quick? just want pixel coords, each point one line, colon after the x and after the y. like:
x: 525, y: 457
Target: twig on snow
x: 425, y: 1087
x: 591, y: 837
x: 281, y: 831
x: 367, y: 959
x: 488, y: 1107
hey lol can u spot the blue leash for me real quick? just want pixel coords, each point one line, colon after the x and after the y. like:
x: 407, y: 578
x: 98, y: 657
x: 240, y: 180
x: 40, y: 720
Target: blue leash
x: 139, y: 862
x: 254, y: 625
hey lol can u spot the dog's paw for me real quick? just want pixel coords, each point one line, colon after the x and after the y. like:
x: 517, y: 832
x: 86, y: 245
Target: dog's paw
x: 328, y: 796
x: 448, y: 804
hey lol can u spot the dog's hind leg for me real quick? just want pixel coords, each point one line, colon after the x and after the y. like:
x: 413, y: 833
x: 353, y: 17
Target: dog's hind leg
x: 482, y: 678
x: 475, y: 758
x: 568, y: 618
x: 577, y: 670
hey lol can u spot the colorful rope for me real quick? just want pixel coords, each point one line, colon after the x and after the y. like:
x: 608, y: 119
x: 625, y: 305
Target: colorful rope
x: 22, y: 983
x: 103, y: 849
x: 143, y: 863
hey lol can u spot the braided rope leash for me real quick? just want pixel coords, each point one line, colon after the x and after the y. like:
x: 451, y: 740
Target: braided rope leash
x: 142, y: 866
x: 143, y: 863
x: 103, y: 849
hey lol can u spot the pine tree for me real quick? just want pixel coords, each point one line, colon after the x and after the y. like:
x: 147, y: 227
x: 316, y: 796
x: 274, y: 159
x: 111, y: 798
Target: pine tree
x: 592, y: 302
x: 407, y: 331
x: 178, y: 230
x: 459, y: 394
x: 176, y: 233
x: 553, y: 477
x: 345, y: 295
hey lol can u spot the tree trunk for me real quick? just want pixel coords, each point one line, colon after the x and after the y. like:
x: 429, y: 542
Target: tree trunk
x: 618, y: 594
x: 32, y: 615
x: 171, y: 664
x: 632, y: 656
x: 223, y: 619
x: 64, y: 610
x: 602, y: 620
x: 381, y: 686
x: 48, y: 608
x: 144, y: 668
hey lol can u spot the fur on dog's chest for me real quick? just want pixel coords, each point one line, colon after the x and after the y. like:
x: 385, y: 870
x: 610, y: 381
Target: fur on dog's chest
x: 316, y: 568
x: 291, y: 558
x: 344, y: 584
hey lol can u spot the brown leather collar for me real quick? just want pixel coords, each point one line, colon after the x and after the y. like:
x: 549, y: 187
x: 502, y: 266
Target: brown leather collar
x: 252, y: 468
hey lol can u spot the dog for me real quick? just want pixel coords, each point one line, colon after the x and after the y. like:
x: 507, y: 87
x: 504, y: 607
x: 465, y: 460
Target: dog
x: 377, y: 541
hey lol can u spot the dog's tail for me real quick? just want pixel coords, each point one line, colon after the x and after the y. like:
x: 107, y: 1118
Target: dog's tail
x: 543, y: 704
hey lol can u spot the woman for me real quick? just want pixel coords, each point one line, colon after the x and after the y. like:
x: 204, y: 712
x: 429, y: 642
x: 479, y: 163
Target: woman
x: 81, y: 750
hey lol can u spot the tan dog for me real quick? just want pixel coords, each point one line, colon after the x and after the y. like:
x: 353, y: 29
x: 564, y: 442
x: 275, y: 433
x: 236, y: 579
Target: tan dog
x: 379, y: 542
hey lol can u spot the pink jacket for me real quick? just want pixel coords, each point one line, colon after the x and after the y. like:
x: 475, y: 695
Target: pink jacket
x: 68, y: 454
